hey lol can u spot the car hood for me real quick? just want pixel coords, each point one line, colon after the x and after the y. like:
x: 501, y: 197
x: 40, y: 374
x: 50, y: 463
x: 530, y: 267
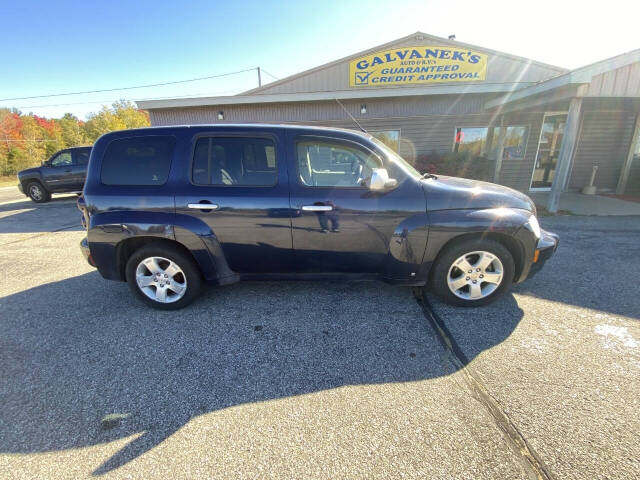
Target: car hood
x: 449, y: 193
x: 28, y: 171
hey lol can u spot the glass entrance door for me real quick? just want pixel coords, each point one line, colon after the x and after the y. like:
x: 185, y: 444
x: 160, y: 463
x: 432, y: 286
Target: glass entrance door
x: 548, y: 150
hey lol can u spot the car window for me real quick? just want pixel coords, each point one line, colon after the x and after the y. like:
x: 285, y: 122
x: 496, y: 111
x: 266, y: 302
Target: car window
x: 138, y: 161
x: 327, y: 164
x: 62, y: 159
x: 239, y: 161
x: 82, y: 157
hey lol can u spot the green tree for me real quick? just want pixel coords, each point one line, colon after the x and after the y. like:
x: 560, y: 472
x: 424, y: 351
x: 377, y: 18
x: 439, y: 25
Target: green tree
x: 121, y: 115
x: 72, y: 131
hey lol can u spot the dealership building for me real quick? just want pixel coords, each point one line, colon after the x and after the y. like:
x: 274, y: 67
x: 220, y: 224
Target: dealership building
x: 540, y: 127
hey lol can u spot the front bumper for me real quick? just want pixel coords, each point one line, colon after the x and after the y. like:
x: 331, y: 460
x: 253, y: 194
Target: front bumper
x: 84, y: 248
x: 20, y: 188
x: 547, y: 246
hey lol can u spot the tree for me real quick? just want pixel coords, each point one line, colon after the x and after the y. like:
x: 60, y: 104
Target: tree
x: 120, y: 116
x: 72, y: 130
x: 27, y: 140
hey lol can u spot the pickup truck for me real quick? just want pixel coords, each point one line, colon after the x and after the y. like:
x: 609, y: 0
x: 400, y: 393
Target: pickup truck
x: 64, y: 172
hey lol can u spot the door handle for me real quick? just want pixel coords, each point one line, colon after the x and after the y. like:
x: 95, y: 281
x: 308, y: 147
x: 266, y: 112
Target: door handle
x: 317, y: 208
x: 203, y: 206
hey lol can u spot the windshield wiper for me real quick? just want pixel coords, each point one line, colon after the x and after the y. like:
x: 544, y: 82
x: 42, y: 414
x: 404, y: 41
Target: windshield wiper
x: 429, y: 175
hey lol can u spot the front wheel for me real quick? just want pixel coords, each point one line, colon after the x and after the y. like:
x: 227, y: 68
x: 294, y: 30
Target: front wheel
x: 38, y: 193
x: 473, y: 272
x: 163, y: 276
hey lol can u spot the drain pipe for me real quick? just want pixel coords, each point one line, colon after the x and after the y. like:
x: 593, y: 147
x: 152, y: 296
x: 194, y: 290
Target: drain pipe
x: 591, y: 188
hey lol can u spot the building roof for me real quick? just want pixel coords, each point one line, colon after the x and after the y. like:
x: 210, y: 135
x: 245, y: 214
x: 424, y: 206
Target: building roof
x: 579, y: 76
x: 507, y: 72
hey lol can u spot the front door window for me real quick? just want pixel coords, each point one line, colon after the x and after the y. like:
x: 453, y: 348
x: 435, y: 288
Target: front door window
x: 548, y: 151
x: 62, y: 160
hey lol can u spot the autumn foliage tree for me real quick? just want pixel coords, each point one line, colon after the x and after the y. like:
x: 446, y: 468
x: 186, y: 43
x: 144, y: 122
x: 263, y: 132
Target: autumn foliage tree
x: 27, y: 139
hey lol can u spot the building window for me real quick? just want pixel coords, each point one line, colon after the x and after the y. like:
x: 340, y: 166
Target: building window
x: 515, y: 142
x: 471, y: 140
x: 391, y: 138
x: 483, y: 141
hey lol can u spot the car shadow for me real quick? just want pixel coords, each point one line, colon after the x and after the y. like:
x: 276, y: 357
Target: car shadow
x: 81, y: 349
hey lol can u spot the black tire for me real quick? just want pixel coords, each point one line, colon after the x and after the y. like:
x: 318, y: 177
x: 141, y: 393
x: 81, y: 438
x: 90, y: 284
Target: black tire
x: 445, y: 262
x: 176, y: 255
x: 37, y: 192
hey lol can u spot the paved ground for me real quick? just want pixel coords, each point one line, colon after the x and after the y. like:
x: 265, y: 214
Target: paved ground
x: 316, y: 380
x: 580, y: 204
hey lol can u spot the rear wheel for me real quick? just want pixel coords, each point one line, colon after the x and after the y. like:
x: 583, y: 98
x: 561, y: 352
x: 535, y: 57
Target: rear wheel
x: 38, y: 193
x: 473, y: 272
x: 163, y: 276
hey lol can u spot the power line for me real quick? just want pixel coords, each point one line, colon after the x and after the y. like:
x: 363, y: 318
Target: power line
x: 113, y: 100
x: 128, y: 88
x: 271, y: 75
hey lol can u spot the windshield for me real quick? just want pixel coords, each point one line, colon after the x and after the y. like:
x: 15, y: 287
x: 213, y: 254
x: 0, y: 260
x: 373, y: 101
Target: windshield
x: 397, y: 159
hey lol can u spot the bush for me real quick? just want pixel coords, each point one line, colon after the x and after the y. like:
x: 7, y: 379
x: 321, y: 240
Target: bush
x: 456, y: 164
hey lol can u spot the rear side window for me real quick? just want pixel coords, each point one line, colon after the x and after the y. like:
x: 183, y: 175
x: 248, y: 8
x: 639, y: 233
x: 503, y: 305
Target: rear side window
x: 238, y: 161
x: 137, y: 161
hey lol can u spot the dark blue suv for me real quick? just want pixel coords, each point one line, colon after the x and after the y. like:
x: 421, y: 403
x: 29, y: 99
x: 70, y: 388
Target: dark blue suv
x: 168, y: 209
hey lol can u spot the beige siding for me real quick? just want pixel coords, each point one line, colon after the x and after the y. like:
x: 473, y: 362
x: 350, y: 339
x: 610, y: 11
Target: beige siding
x: 605, y: 137
x: 427, y: 124
x: 501, y: 68
x: 323, y: 111
x: 621, y: 82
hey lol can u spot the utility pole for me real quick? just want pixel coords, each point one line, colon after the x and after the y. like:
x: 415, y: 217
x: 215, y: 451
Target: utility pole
x: 259, y: 77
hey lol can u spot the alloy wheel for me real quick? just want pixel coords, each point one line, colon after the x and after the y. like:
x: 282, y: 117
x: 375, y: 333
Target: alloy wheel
x: 475, y: 275
x: 161, y: 279
x: 36, y: 192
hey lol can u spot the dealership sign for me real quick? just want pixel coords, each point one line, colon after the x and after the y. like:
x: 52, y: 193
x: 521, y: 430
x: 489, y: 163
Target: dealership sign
x: 417, y: 65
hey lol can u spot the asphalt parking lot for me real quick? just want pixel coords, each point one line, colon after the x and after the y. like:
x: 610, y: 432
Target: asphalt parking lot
x: 317, y: 380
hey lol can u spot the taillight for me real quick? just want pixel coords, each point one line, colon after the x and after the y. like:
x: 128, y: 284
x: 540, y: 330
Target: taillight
x: 82, y: 206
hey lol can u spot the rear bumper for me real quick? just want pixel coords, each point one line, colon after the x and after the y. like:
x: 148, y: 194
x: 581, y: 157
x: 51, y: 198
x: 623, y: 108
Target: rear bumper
x: 547, y: 246
x: 84, y: 248
x: 20, y: 188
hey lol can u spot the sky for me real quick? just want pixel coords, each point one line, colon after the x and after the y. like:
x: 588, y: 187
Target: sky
x: 70, y: 46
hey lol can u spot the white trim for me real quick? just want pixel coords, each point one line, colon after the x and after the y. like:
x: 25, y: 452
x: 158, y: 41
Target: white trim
x: 535, y: 159
x: 449, y: 89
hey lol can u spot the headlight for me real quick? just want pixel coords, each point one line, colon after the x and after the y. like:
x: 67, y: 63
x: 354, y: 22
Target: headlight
x: 534, y: 226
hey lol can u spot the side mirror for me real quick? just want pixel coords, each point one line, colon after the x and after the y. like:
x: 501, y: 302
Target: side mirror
x: 380, y: 180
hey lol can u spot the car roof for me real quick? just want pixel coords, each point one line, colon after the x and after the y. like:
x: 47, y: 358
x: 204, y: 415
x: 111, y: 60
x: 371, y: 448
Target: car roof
x: 244, y: 126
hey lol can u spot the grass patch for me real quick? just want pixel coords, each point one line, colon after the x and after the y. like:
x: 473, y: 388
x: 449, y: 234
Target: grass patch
x: 543, y: 212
